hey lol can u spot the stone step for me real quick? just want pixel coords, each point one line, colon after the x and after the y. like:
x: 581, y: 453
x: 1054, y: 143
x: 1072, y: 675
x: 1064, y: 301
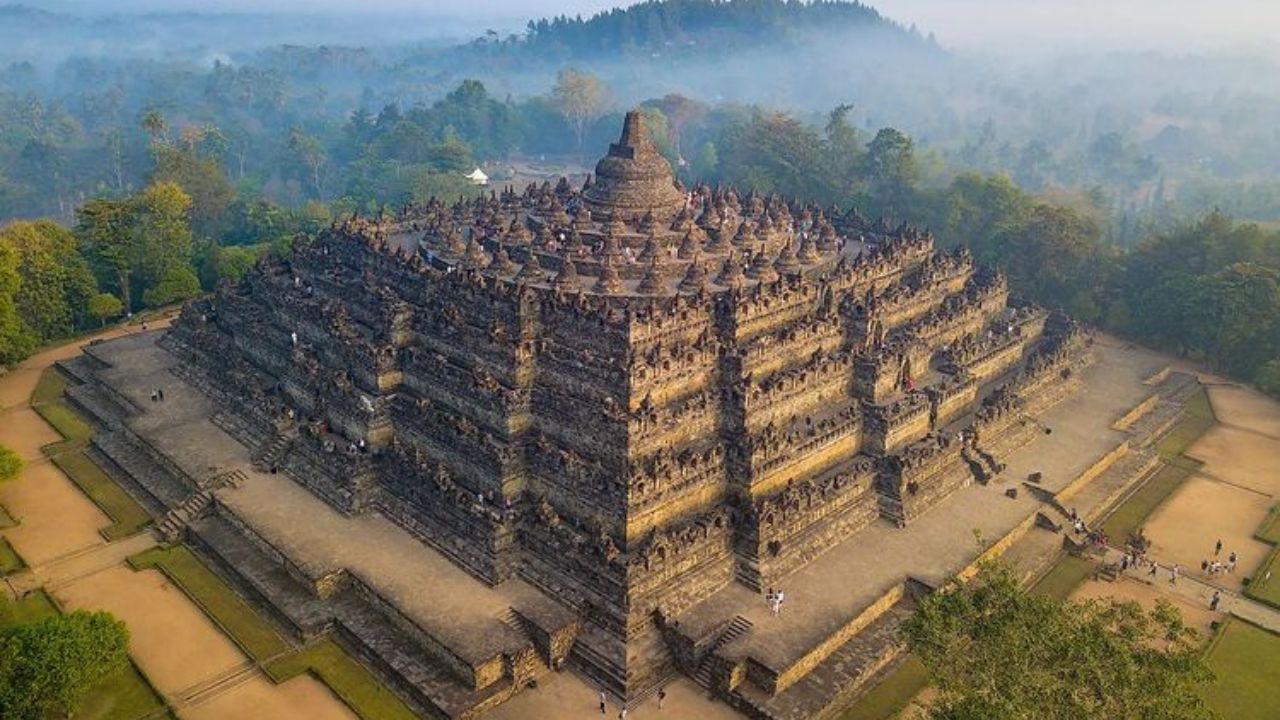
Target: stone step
x: 145, y: 471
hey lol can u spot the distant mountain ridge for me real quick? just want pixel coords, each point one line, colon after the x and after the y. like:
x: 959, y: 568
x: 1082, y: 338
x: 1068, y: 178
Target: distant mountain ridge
x: 674, y: 26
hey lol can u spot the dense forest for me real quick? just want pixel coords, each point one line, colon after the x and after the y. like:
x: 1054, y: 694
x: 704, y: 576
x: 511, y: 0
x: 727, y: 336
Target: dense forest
x: 132, y: 181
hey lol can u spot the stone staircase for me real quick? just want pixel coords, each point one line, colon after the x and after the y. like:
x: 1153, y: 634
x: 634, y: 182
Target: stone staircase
x: 273, y: 455
x: 176, y: 520
x: 737, y: 628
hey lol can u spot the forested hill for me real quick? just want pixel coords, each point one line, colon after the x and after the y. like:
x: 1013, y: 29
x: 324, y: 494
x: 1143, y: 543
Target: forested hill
x: 659, y: 26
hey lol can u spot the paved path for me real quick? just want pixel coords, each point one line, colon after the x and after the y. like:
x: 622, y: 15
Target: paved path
x: 80, y: 564
x: 1199, y: 590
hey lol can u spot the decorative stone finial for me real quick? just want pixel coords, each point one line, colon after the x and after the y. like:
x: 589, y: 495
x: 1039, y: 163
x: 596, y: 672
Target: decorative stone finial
x: 689, y: 246
x: 787, y: 264
x: 761, y: 269
x: 608, y: 283
x: 654, y: 281
x: 502, y: 264
x: 475, y: 257
x: 808, y: 251
x: 731, y: 273
x: 567, y: 279
x: 695, y: 279
x: 532, y: 270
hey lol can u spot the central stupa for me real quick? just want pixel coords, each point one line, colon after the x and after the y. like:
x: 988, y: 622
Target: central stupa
x: 634, y: 179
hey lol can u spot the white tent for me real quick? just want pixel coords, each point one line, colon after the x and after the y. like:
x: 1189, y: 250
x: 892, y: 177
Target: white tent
x: 477, y: 177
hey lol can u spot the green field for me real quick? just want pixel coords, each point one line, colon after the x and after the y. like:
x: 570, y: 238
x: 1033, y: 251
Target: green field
x: 1269, y: 530
x: 348, y: 679
x: 1245, y: 658
x: 128, y: 516
x: 73, y: 428
x: 1064, y: 577
x: 891, y: 694
x: 1138, y: 506
x: 1263, y: 588
x: 49, y: 387
x: 10, y: 561
x: 1197, y: 420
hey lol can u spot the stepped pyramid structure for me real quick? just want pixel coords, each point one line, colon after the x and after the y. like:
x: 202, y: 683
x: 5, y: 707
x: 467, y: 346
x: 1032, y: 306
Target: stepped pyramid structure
x: 639, y: 404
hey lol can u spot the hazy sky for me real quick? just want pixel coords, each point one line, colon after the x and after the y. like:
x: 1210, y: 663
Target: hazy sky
x: 1042, y: 25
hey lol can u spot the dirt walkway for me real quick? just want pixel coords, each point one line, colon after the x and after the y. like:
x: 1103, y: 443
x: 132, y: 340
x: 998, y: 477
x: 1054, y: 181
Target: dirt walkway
x: 189, y: 660
x: 1227, y: 500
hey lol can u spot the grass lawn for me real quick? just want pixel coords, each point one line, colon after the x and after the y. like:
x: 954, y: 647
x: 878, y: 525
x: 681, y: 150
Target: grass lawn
x: 1269, y: 530
x: 10, y: 561
x: 47, y: 399
x: 1138, y: 506
x: 128, y: 516
x: 49, y: 387
x: 1064, y: 577
x: 348, y: 679
x: 34, y: 606
x: 73, y: 428
x: 1197, y: 420
x: 1244, y: 658
x: 892, y: 693
x: 1266, y: 589
x: 6, y: 520
x: 239, y: 621
x: 126, y: 695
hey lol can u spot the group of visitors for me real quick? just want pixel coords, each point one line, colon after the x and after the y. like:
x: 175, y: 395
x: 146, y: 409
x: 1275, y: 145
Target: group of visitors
x: 775, y: 598
x: 1216, y: 566
x: 157, y: 395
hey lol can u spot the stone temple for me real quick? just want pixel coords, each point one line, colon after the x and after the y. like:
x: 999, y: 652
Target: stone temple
x: 625, y: 411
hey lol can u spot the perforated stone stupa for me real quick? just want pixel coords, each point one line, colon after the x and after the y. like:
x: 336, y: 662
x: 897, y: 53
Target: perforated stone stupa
x: 633, y: 180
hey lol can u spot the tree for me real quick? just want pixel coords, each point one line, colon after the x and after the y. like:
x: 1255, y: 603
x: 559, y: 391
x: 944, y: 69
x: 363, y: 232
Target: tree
x: 581, y: 98
x: 47, y: 666
x: 56, y: 281
x: 891, y: 171
x: 154, y: 124
x: 10, y: 464
x: 997, y: 652
x: 105, y: 306
x: 16, y: 338
x: 680, y: 112
x: 307, y: 151
x: 105, y: 233
x: 203, y: 180
x: 162, y: 231
x: 138, y: 242
x: 178, y: 282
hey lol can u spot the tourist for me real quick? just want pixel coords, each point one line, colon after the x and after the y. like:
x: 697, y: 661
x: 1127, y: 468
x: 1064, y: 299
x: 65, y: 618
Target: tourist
x: 160, y: 394
x: 662, y: 697
x: 781, y: 597
x: 1173, y: 574
x: 622, y: 714
x: 1231, y: 562
x: 1154, y: 568
x: 604, y: 704
x: 1217, y: 548
x: 1213, y: 603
